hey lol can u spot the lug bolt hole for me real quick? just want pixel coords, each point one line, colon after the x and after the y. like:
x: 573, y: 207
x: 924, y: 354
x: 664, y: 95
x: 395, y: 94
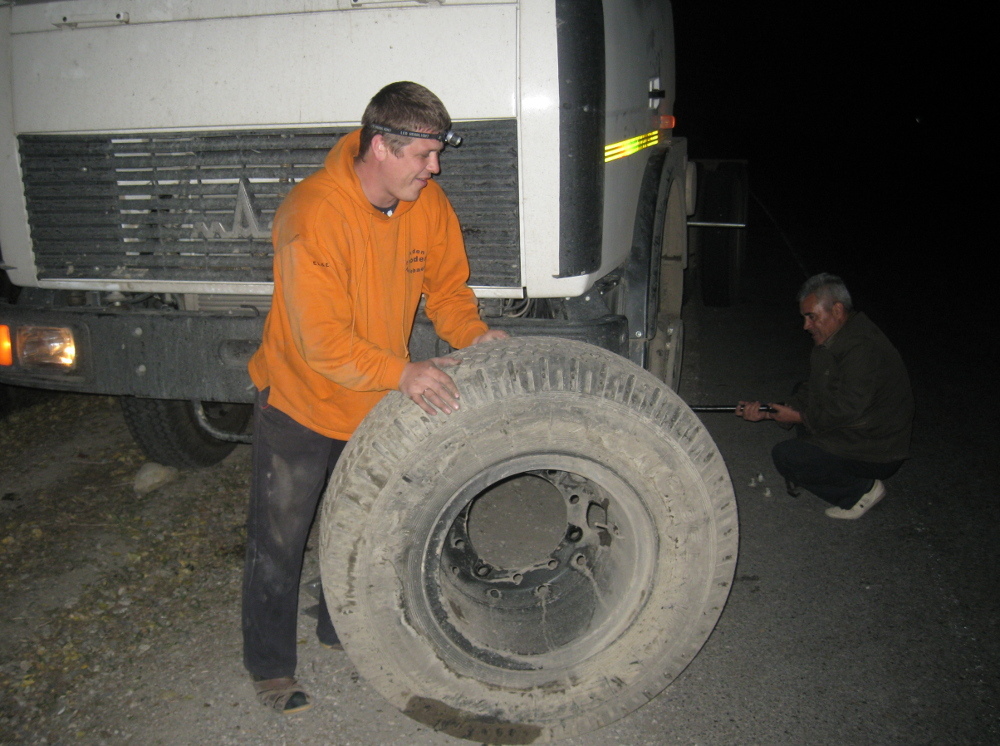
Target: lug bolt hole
x: 493, y: 593
x: 482, y: 571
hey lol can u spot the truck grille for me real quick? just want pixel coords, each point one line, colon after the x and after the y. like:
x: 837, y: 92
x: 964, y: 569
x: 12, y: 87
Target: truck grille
x: 198, y: 206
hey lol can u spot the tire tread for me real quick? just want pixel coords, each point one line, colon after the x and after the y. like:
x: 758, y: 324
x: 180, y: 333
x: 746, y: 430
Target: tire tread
x: 167, y: 432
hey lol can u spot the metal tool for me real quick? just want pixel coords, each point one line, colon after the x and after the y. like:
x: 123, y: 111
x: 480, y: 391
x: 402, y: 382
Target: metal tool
x: 731, y: 408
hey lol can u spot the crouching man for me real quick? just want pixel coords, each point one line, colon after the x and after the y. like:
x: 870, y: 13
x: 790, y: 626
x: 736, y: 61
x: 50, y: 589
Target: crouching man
x: 853, y: 415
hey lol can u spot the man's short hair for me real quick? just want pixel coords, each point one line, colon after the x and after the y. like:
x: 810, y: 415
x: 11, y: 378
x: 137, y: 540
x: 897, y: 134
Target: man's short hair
x: 828, y: 289
x: 402, y: 106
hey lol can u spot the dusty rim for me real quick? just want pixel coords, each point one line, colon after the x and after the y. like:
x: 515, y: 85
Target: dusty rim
x: 529, y: 570
x: 538, y: 564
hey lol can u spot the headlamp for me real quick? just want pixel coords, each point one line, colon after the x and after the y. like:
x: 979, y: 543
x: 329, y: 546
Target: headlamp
x: 448, y: 138
x: 46, y: 347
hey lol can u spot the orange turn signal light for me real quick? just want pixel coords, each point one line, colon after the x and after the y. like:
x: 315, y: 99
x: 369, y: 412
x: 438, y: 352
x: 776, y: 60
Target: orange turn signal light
x: 6, y: 351
x: 667, y: 121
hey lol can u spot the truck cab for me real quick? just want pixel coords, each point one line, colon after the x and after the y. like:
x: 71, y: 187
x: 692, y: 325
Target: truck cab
x: 145, y: 146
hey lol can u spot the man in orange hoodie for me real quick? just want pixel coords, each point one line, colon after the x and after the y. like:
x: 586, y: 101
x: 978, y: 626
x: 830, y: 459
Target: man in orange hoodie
x: 356, y: 246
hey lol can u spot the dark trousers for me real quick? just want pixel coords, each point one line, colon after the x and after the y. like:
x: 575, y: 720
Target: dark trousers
x: 291, y: 466
x: 840, y: 481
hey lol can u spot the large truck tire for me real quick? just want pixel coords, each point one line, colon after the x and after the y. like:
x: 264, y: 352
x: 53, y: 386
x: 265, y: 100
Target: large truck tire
x: 541, y: 562
x: 723, y: 197
x: 168, y: 431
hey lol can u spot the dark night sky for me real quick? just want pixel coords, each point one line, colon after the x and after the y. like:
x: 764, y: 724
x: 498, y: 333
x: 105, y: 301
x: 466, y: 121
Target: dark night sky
x: 860, y: 134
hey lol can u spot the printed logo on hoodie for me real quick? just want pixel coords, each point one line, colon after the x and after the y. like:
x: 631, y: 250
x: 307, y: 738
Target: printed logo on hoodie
x: 415, y: 261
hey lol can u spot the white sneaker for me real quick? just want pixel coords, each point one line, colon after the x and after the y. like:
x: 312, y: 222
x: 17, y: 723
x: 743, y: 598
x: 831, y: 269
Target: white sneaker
x: 862, y: 506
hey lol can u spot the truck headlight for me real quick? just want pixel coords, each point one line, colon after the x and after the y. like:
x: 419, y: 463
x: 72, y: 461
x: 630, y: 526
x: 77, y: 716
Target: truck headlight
x: 46, y: 347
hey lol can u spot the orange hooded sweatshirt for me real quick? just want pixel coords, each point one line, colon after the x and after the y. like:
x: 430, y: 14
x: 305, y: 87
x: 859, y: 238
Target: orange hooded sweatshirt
x: 347, y: 283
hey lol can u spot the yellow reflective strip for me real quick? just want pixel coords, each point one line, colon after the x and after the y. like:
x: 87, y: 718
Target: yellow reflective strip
x: 632, y: 145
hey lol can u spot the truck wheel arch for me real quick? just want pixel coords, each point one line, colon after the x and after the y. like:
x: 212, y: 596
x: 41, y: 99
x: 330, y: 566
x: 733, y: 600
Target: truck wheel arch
x: 655, y: 270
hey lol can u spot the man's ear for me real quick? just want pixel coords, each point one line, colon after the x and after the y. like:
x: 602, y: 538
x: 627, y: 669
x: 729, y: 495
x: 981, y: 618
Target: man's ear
x: 838, y: 311
x: 379, y: 148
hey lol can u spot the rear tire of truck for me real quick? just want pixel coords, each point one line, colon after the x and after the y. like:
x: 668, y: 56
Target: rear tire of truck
x: 538, y: 564
x: 168, y: 431
x: 723, y: 197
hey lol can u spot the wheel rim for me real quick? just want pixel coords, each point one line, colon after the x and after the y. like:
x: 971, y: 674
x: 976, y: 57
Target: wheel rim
x: 558, y: 595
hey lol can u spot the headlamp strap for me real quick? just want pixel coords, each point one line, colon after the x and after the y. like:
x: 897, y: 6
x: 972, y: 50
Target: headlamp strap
x: 448, y: 138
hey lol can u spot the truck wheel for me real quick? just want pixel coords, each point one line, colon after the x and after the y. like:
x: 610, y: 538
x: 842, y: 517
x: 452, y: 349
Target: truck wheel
x: 538, y: 564
x: 168, y: 431
x: 723, y: 197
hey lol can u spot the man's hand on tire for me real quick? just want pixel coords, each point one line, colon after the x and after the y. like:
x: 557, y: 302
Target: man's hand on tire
x: 491, y: 335
x: 429, y: 386
x: 433, y: 389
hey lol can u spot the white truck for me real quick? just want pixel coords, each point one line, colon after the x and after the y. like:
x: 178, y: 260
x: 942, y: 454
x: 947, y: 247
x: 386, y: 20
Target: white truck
x: 144, y: 147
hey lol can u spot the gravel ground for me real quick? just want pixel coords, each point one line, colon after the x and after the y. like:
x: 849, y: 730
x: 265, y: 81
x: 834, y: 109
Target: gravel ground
x: 119, y: 619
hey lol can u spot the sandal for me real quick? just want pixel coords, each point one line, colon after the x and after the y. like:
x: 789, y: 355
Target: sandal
x: 282, y: 695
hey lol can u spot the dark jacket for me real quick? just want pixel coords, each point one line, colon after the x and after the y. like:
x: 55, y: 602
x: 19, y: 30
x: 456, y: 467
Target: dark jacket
x: 857, y: 403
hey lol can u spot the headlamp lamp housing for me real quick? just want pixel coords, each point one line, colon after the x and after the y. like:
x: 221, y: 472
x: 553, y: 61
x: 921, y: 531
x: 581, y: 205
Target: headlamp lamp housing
x: 448, y: 138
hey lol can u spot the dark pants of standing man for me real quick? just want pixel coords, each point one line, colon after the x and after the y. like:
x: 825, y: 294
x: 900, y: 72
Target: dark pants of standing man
x: 840, y: 481
x: 291, y: 466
